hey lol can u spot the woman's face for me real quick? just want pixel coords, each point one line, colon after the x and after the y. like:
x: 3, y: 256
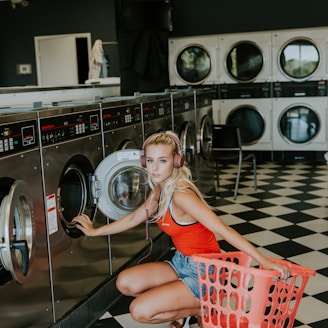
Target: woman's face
x: 159, y: 161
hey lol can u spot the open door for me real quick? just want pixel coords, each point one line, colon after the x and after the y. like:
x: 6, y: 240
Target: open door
x: 62, y: 59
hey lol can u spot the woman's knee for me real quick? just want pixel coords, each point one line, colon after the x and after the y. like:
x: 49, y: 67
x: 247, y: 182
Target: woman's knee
x: 139, y: 312
x: 124, y: 284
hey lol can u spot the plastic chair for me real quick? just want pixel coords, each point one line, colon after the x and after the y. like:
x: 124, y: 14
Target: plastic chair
x: 227, y: 148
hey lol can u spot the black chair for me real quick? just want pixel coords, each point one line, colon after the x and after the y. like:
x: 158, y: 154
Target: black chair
x: 227, y: 148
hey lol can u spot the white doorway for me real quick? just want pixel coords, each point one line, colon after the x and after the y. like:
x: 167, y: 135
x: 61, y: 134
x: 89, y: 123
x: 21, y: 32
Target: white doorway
x: 62, y: 59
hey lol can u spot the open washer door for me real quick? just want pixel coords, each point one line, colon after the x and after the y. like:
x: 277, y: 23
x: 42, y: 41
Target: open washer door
x: 16, y: 230
x: 120, y: 183
x: 188, y: 142
x: 205, y: 137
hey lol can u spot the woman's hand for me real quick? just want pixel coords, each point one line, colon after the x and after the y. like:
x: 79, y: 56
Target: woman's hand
x: 84, y: 224
x: 271, y: 265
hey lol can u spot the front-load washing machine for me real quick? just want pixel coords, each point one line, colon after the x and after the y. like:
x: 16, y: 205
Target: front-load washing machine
x: 156, y: 113
x: 25, y: 287
x: 123, y: 131
x: 249, y: 107
x: 300, y: 122
x: 299, y: 54
x: 184, y: 125
x: 193, y: 60
x: 204, y: 126
x: 245, y: 57
x: 71, y: 141
x: 122, y: 124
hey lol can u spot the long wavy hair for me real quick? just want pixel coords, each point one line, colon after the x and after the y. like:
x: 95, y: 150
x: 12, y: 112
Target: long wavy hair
x: 178, y: 175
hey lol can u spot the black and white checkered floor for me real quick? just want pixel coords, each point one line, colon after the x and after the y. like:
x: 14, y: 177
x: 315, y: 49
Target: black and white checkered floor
x: 286, y: 217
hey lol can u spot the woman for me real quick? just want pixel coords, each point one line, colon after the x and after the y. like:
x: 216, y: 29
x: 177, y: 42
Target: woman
x: 168, y: 291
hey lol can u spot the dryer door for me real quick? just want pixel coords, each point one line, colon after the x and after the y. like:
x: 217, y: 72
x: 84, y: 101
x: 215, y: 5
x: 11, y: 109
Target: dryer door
x: 299, y: 124
x: 120, y: 184
x: 244, y: 62
x: 299, y: 59
x: 250, y: 123
x: 193, y: 64
x: 205, y: 137
x: 16, y: 230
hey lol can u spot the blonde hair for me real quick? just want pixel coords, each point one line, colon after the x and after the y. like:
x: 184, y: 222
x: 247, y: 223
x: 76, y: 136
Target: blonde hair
x: 180, y: 174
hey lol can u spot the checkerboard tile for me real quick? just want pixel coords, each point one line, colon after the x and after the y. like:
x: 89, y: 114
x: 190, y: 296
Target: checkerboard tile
x: 286, y: 217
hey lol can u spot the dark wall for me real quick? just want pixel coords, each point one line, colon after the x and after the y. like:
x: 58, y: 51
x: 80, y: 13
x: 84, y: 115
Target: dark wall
x: 194, y: 17
x: 190, y: 17
x: 46, y: 17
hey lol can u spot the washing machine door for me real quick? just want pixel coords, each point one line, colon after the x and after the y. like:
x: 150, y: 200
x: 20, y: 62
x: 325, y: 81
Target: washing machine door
x: 205, y: 137
x: 299, y: 124
x: 128, y: 144
x: 250, y: 122
x: 188, y: 142
x: 120, y: 184
x: 193, y: 64
x: 16, y: 230
x: 244, y: 62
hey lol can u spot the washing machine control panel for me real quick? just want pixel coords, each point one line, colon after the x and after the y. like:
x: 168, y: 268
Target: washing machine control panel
x: 300, y: 89
x: 205, y: 99
x: 156, y: 109
x: 183, y: 104
x: 245, y: 90
x: 117, y: 117
x: 61, y: 128
x: 18, y: 137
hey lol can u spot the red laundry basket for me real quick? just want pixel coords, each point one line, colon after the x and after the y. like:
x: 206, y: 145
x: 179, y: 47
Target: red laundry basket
x: 235, y: 292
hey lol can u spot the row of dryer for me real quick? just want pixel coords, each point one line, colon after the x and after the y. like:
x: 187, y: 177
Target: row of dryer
x: 58, y: 162
x: 283, y: 55
x: 287, y: 120
x: 272, y: 85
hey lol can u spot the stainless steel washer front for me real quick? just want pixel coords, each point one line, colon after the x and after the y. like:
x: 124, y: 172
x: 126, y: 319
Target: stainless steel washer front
x: 25, y: 287
x: 126, y: 183
x: 71, y: 149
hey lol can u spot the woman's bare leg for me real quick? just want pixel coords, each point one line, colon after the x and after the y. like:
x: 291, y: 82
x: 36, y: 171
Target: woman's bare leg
x: 137, y: 279
x: 168, y: 302
x: 160, y: 296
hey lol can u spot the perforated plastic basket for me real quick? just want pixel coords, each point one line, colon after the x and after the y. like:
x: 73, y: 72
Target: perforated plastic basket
x: 235, y: 292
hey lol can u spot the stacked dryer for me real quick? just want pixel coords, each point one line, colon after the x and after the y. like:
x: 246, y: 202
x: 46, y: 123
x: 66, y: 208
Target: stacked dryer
x: 245, y: 89
x: 25, y: 287
x: 300, y: 94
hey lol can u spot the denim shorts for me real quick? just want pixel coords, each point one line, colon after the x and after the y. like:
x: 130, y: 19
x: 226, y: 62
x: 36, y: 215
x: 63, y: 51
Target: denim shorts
x: 186, y: 270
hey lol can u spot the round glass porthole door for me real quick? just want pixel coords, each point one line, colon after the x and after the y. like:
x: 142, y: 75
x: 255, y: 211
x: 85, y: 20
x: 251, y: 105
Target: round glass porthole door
x: 17, y: 231
x: 299, y: 124
x: 188, y: 142
x: 74, y: 194
x: 299, y: 59
x: 193, y: 64
x: 250, y: 122
x: 205, y: 136
x: 244, y: 61
x: 120, y: 184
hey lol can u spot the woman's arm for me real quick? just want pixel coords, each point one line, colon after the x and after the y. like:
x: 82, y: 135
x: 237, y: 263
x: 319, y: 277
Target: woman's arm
x: 192, y: 206
x: 127, y: 222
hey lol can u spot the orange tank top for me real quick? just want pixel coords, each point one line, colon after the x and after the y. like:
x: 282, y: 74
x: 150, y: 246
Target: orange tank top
x: 189, y: 238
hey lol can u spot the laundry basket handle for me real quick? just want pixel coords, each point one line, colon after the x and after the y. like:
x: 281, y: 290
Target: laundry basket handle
x: 294, y: 269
